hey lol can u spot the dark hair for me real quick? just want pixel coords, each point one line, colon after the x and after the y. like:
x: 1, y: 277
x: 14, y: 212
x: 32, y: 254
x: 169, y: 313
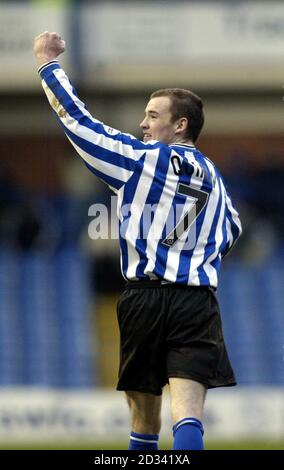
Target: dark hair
x: 184, y: 103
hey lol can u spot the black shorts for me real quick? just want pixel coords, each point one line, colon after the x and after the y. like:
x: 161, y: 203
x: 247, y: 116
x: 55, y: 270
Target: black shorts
x: 170, y: 331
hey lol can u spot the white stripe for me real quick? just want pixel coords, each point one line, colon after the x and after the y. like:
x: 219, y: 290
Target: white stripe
x: 186, y: 421
x: 46, y: 64
x: 119, y: 195
x: 137, y: 206
x: 229, y: 232
x: 174, y: 252
x: 158, y: 224
x: 208, y: 268
x: 143, y: 440
x: 235, y: 217
x: 199, y: 251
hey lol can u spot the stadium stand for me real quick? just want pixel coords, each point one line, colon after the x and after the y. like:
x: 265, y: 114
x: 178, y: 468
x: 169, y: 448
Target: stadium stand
x: 252, y: 304
x: 44, y: 320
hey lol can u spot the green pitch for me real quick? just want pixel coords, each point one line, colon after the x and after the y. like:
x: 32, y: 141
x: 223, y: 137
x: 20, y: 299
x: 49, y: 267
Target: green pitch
x: 218, y: 445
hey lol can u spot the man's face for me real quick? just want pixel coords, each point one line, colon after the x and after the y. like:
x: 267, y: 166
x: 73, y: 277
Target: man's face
x: 157, y: 123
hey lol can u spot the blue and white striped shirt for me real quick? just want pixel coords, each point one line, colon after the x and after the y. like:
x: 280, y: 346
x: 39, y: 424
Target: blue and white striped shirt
x: 176, y: 218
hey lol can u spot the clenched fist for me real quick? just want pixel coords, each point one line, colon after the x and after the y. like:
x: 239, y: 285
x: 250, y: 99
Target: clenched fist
x: 47, y: 47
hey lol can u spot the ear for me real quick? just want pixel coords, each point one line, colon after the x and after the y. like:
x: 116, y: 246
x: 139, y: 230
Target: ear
x: 181, y: 125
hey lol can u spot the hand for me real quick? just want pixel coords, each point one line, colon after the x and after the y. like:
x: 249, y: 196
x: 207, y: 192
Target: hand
x: 47, y: 47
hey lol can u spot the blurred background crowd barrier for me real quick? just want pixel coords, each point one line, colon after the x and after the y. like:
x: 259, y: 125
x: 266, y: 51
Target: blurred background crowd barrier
x: 58, y: 288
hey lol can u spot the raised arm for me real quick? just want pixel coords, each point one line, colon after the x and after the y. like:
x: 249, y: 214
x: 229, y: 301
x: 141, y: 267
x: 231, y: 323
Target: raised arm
x: 109, y: 153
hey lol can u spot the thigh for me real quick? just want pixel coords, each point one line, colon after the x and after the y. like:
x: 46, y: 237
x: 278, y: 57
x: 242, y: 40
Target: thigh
x: 195, y: 343
x: 142, y: 352
x: 187, y: 398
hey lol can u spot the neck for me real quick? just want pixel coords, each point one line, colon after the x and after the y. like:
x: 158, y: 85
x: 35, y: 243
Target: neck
x: 183, y: 142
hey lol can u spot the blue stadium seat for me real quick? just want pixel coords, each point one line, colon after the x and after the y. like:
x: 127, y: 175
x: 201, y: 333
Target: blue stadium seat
x: 252, y: 302
x: 44, y: 320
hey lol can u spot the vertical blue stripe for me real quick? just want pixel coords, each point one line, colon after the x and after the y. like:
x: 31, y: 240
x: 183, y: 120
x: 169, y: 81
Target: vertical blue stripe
x: 128, y: 196
x: 186, y: 255
x: 234, y: 227
x: 154, y: 195
x: 234, y: 230
x: 225, y: 242
x: 211, y: 242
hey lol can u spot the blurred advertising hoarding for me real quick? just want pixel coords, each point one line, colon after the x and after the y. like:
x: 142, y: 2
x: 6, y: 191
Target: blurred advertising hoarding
x: 140, y: 44
x: 182, y: 31
x: 19, y: 24
x: 209, y: 44
x: 38, y: 414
